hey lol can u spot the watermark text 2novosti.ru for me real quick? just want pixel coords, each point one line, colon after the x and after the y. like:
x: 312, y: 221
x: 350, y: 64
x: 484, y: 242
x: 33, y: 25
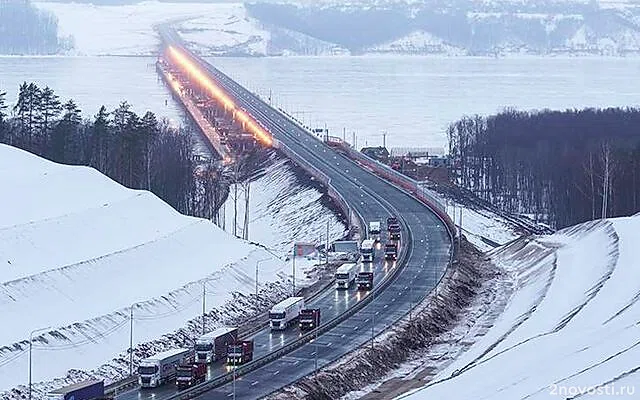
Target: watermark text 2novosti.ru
x: 601, y: 390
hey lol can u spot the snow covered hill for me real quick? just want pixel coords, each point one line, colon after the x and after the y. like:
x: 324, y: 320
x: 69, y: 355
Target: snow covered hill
x: 569, y: 323
x: 78, y: 251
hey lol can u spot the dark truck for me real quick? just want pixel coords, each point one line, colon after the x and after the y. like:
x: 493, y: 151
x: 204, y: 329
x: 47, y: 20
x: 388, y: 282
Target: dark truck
x: 391, y: 251
x: 240, y: 352
x: 190, y: 374
x: 392, y: 221
x: 85, y: 390
x: 365, y: 280
x: 394, y: 232
x: 309, y: 319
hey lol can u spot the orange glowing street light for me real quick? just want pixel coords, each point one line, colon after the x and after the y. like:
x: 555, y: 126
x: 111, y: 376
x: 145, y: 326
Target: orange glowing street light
x: 196, y: 72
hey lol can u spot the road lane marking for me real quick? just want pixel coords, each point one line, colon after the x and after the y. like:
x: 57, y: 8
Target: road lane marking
x: 254, y: 383
x: 277, y: 372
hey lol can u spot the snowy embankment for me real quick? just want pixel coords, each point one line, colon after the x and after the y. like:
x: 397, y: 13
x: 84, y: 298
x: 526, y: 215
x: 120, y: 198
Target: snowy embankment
x: 482, y: 228
x: 568, y: 326
x: 78, y: 250
x: 282, y: 212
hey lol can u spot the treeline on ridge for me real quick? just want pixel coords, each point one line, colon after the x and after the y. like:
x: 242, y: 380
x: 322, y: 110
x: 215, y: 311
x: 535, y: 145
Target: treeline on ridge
x: 25, y: 29
x: 138, y: 152
x: 562, y: 167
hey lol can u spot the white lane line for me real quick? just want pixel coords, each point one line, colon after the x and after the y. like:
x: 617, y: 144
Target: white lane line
x: 343, y: 335
x: 355, y: 328
x: 377, y: 312
x: 366, y: 320
x: 277, y: 372
x: 313, y: 354
x: 386, y: 305
x: 254, y: 383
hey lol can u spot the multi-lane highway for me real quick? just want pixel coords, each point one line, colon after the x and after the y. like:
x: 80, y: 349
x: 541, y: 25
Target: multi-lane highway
x: 425, y: 241
x: 427, y: 250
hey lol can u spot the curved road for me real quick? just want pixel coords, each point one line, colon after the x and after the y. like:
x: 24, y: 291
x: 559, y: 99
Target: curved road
x: 373, y: 199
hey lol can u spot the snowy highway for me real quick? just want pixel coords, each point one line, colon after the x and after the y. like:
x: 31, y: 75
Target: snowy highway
x: 426, y: 239
x: 425, y: 244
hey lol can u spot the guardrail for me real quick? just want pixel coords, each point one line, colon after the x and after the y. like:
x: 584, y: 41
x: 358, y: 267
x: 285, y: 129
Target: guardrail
x: 416, y: 188
x: 306, y: 338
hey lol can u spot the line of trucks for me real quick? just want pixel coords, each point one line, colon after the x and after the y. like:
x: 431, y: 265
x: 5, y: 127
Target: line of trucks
x: 189, y: 366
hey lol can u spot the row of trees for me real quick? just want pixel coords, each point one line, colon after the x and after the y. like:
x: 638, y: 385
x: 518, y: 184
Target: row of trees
x: 24, y: 29
x: 139, y: 152
x: 563, y: 167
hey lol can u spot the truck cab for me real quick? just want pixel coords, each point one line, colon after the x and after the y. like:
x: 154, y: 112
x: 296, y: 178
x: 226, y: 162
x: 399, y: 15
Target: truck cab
x: 365, y: 280
x: 367, y: 250
x: 374, y: 230
x: 391, y: 251
x: 309, y: 319
x: 240, y: 352
x: 190, y: 374
x: 394, y: 231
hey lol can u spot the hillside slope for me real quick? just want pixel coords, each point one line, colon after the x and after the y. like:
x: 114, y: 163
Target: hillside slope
x: 78, y: 251
x: 570, y: 324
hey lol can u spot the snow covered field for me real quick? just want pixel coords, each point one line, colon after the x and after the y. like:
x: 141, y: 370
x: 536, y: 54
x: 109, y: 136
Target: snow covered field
x: 128, y: 29
x: 78, y: 250
x: 569, y: 327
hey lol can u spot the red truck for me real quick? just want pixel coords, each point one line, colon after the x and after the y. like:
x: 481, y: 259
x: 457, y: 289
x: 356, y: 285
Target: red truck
x: 309, y: 319
x: 240, y: 352
x: 190, y: 374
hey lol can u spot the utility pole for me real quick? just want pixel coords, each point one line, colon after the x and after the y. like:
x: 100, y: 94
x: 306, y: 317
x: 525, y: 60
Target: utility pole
x: 384, y: 139
x: 326, y: 249
x: 460, y: 229
x: 344, y: 134
x: 131, y: 339
x: 30, y: 350
x: 245, y: 231
x: 316, y: 346
x: 373, y: 316
x: 234, y: 382
x: 204, y: 308
x: 294, y: 268
x: 258, y: 263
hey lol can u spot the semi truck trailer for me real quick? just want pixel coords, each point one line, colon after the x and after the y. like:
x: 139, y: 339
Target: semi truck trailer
x: 367, y: 250
x: 189, y: 374
x: 213, y: 345
x: 285, y: 313
x: 365, y: 280
x: 159, y: 369
x: 345, y: 275
x: 374, y: 230
x: 309, y: 319
x: 85, y: 390
x: 240, y: 352
x: 391, y: 251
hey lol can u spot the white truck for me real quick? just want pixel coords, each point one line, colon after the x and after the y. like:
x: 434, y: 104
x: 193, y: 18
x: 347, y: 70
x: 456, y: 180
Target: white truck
x: 345, y: 275
x: 367, y: 250
x: 285, y: 312
x: 213, y: 345
x: 374, y: 230
x: 158, y: 369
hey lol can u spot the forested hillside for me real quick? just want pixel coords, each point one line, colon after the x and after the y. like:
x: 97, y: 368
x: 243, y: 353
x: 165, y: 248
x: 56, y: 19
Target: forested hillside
x: 25, y: 29
x: 139, y: 152
x: 564, y: 167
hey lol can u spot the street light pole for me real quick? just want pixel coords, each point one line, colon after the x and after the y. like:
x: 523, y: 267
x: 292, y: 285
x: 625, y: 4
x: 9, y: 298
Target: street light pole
x: 30, y: 349
x: 258, y: 263
x: 294, y: 269
x: 204, y: 308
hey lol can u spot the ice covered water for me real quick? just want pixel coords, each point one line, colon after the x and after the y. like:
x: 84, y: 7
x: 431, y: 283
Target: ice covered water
x: 413, y: 99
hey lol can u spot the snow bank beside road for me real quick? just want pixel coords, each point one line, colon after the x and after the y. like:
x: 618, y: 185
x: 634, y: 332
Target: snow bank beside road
x: 569, y: 325
x: 77, y: 250
x: 282, y: 212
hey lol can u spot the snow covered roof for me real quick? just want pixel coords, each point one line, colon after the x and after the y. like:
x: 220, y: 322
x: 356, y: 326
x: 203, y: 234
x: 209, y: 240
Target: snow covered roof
x: 218, y: 332
x: 345, y: 268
